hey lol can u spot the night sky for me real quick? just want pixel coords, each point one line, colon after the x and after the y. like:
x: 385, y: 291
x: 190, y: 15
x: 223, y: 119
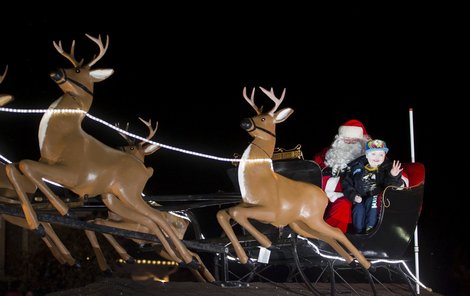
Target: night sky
x: 187, y: 70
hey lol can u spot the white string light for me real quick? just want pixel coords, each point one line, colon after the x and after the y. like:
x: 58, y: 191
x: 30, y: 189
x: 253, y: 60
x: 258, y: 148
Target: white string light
x: 317, y: 250
x: 74, y: 111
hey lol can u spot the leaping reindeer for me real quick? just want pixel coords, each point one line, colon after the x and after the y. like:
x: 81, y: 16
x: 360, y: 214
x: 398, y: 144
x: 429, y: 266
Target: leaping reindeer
x: 86, y: 166
x: 274, y: 199
x: 179, y: 225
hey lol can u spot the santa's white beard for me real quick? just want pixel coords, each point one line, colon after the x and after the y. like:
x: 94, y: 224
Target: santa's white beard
x: 341, y: 153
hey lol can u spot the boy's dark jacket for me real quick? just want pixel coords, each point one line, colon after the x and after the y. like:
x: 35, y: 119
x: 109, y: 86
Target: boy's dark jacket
x: 357, y: 171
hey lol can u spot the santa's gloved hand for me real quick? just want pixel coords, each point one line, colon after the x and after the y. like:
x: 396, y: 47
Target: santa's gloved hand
x: 357, y: 199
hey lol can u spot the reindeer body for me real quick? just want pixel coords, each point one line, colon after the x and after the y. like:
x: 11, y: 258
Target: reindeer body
x: 271, y: 198
x: 79, y: 162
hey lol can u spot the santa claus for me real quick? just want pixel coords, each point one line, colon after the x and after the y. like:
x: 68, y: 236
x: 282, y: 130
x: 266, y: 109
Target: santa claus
x: 333, y: 160
x: 348, y: 145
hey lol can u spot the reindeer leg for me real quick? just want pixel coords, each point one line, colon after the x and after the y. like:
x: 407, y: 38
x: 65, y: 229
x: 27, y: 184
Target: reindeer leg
x: 56, y: 252
x: 58, y: 244
x: 103, y: 265
x: 208, y: 277
x: 119, y: 249
x: 305, y: 231
x: 326, y: 230
x: 224, y: 220
x: 122, y: 225
x: 35, y: 171
x: 17, y: 179
x: 118, y: 207
x: 202, y: 268
x: 156, y: 216
x: 241, y: 214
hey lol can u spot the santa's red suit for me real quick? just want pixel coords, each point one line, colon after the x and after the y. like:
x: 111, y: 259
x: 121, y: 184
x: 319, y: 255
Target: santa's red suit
x: 338, y: 212
x: 333, y: 160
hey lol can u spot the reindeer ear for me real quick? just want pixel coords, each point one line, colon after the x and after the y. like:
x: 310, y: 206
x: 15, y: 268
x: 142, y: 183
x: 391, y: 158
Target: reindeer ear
x: 100, y: 74
x: 5, y: 99
x: 283, y: 114
x: 151, y: 149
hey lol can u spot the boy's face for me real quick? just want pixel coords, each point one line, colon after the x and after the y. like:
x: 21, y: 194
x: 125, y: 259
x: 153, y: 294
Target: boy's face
x: 375, y: 158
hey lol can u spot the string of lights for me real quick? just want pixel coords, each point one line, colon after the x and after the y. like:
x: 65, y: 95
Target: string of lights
x: 94, y: 118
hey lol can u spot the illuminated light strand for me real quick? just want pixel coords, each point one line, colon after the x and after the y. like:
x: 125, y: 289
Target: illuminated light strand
x: 150, y: 261
x: 317, y: 250
x: 74, y: 111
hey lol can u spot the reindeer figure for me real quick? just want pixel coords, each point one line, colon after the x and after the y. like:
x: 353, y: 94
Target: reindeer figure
x: 8, y: 195
x: 274, y: 199
x: 86, y: 166
x: 179, y: 225
x: 4, y: 99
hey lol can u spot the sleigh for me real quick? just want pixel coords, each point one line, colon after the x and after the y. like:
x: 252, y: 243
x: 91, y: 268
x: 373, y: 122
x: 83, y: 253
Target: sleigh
x: 390, y: 240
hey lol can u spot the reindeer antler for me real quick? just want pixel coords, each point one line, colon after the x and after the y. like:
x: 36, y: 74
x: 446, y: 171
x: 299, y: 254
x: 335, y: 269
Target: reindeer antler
x: 129, y: 140
x: 70, y: 56
x: 251, y: 100
x: 100, y: 45
x: 276, y: 101
x: 152, y: 130
x: 4, y: 74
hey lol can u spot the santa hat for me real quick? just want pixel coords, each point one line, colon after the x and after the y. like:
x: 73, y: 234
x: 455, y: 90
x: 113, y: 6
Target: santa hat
x: 353, y: 129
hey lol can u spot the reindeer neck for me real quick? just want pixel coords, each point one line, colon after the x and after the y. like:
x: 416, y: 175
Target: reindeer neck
x: 71, y: 100
x: 250, y: 173
x: 261, y: 149
x: 56, y: 126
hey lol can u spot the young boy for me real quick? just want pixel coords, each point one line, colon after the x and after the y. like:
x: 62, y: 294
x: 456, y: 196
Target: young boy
x: 369, y: 176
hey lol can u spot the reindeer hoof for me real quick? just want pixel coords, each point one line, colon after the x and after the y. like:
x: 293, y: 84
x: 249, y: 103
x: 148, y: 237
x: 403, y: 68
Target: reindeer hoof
x: 370, y: 269
x: 273, y: 248
x: 353, y: 264
x: 108, y: 273
x: 40, y: 231
x: 70, y: 215
x: 194, y: 264
x: 77, y: 265
x: 130, y: 260
x: 251, y: 264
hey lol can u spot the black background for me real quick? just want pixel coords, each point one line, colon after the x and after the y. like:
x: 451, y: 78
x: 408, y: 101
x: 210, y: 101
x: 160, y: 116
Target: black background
x: 185, y: 67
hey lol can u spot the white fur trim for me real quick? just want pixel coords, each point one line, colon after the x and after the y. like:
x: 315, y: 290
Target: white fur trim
x: 351, y: 132
x: 331, y: 184
x: 330, y: 188
x: 406, y: 181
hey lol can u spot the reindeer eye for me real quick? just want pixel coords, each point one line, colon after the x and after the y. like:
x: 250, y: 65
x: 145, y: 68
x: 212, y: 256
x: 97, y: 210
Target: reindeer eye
x: 77, y: 70
x: 263, y: 119
x: 132, y: 148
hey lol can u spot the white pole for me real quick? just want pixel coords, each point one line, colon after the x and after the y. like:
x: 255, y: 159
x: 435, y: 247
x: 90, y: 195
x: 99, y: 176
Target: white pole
x: 416, y: 243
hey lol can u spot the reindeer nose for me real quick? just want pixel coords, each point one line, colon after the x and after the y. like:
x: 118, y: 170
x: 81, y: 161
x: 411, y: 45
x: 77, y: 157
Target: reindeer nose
x: 246, y: 124
x: 57, y: 75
